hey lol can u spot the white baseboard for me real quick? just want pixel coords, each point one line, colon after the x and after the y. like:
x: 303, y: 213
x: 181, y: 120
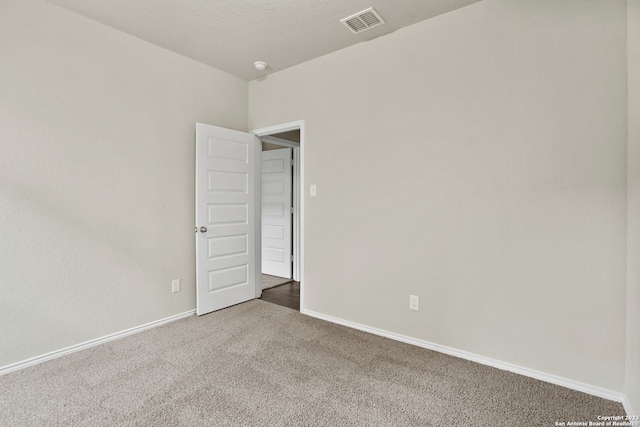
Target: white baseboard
x: 82, y: 346
x: 629, y: 410
x: 554, y: 379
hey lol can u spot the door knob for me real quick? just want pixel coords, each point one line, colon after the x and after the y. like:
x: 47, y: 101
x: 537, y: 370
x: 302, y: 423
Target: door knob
x: 203, y: 229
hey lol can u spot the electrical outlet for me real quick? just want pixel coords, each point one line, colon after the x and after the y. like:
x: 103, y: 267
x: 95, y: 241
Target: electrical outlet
x: 175, y: 285
x: 414, y: 302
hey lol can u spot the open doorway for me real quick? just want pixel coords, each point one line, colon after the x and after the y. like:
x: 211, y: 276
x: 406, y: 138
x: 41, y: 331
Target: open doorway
x: 281, y: 214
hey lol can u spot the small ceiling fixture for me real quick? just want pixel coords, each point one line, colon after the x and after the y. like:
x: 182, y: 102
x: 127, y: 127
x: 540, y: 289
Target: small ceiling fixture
x: 362, y: 21
x: 260, y: 65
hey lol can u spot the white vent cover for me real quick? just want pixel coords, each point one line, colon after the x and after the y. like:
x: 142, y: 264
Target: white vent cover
x: 362, y: 21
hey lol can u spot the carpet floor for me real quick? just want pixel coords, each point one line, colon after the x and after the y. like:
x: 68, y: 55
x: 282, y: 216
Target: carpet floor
x: 271, y: 281
x: 259, y: 364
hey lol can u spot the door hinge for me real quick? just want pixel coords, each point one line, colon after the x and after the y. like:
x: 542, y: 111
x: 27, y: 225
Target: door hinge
x: 291, y: 209
x: 291, y: 258
x: 291, y: 162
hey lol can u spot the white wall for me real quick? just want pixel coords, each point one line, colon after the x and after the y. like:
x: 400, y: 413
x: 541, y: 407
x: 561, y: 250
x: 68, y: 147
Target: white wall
x: 477, y: 160
x: 632, y: 385
x: 96, y: 176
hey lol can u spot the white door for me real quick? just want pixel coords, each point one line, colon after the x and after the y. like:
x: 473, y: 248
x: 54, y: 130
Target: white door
x: 225, y: 217
x: 276, y: 212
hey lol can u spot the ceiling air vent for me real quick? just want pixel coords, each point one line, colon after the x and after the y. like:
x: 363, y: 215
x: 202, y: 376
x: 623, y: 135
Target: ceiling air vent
x: 362, y: 21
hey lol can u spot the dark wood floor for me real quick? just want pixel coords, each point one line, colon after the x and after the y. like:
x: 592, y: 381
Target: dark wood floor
x: 287, y: 295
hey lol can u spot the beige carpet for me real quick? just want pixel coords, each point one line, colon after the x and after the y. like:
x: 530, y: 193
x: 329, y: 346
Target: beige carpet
x: 259, y: 364
x: 271, y: 281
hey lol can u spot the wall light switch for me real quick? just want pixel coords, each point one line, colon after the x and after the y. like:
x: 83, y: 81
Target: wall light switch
x: 175, y: 285
x: 414, y: 302
x: 312, y: 190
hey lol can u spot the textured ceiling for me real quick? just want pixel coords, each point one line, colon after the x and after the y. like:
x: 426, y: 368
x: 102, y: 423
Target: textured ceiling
x: 231, y: 34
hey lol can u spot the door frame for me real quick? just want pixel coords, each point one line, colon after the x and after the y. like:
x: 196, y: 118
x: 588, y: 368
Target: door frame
x: 298, y: 203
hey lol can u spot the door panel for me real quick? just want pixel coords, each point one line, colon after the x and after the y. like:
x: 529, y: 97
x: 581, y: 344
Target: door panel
x: 276, y: 212
x: 225, y: 207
